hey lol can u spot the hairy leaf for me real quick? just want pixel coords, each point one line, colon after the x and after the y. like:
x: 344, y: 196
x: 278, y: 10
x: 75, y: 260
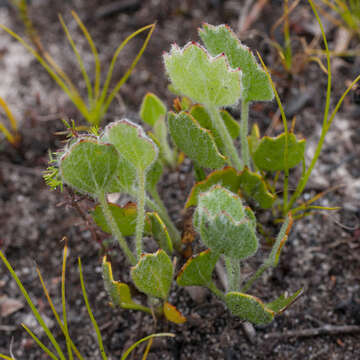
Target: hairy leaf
x: 204, y: 79
x: 153, y: 274
x: 152, y: 108
x: 198, y: 270
x: 249, y: 183
x: 269, y: 154
x: 203, y: 118
x: 159, y: 231
x: 89, y: 165
x: 132, y: 143
x: 125, y: 218
x: 253, y: 186
x: 224, y: 224
x: 248, y: 307
x: 196, y: 142
x: 221, y: 40
x: 119, y: 292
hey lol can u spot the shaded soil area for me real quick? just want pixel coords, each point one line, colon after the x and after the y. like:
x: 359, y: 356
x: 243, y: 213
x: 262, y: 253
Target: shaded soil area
x: 323, y: 251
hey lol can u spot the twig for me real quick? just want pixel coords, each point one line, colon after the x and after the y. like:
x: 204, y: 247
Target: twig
x: 322, y: 330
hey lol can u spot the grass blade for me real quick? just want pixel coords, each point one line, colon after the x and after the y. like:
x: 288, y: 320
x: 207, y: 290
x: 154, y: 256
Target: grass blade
x: 69, y: 90
x: 56, y: 315
x: 132, y: 66
x: 8, y: 135
x: 93, y: 321
x: 32, y: 306
x: 79, y: 59
x: 63, y: 301
x: 2, y: 356
x: 9, y: 114
x: 283, y: 116
x: 94, y: 51
x: 41, y: 345
x: 133, y: 346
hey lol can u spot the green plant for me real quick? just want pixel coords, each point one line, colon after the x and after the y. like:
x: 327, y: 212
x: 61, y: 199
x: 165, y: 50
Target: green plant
x: 95, y: 106
x: 349, y: 12
x: 12, y: 136
x: 72, y: 350
x: 124, y: 159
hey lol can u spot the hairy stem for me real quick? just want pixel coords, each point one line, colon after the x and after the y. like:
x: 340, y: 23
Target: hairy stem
x: 244, y: 129
x: 213, y: 288
x: 273, y: 257
x: 140, y: 221
x: 157, y: 205
x: 115, y: 229
x: 233, y: 273
x: 230, y: 149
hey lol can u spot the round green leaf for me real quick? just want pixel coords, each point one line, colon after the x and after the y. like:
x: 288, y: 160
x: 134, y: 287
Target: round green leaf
x: 196, y: 142
x: 269, y: 154
x: 204, y: 79
x: 89, y: 165
x: 198, y: 270
x: 125, y: 218
x: 248, y: 307
x: 132, y: 143
x: 153, y: 274
x: 225, y: 225
x: 152, y: 108
x: 222, y: 40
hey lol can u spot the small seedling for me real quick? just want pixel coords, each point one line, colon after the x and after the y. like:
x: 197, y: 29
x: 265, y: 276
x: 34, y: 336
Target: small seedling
x: 94, y: 108
x: 232, y: 186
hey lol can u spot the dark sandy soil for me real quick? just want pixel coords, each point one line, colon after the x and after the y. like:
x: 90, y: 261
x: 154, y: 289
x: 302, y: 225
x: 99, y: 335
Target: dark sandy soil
x: 323, y: 251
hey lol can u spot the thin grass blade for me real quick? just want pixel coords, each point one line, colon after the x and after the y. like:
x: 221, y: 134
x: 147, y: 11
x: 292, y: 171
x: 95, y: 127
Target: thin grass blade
x: 93, y: 321
x: 56, y: 315
x: 132, y: 66
x: 32, y: 306
x: 70, y: 91
x: 63, y: 301
x: 40, y: 344
x: 133, y: 346
x: 94, y: 51
x: 79, y: 60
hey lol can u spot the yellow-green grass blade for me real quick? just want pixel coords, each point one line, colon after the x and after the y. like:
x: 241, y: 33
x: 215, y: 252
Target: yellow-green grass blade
x: 9, y: 137
x: 40, y: 344
x: 283, y: 116
x: 79, y: 60
x: 2, y: 356
x: 70, y: 90
x: 94, y: 51
x: 133, y: 346
x: 32, y: 306
x: 63, y: 301
x: 132, y: 66
x: 9, y: 114
x: 56, y: 315
x: 93, y: 321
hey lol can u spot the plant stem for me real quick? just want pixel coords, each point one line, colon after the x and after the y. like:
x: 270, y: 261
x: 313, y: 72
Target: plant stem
x: 233, y: 273
x: 254, y: 277
x: 140, y: 221
x: 115, y: 229
x: 213, y: 288
x: 273, y: 257
x: 157, y: 205
x: 230, y: 149
x: 244, y: 130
